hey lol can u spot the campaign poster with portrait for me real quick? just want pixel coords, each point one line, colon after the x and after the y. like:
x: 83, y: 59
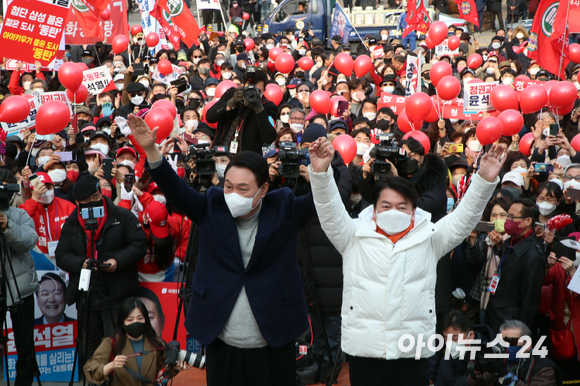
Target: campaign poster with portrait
x: 55, y: 331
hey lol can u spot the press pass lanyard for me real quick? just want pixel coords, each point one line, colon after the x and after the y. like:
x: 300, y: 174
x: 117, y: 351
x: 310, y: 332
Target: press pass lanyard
x: 497, y: 274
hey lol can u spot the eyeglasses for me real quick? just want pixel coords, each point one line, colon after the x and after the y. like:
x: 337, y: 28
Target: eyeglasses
x: 501, y: 216
x: 575, y: 178
x: 511, y: 341
x: 511, y: 217
x: 283, y: 114
x: 304, y: 91
x: 550, y: 200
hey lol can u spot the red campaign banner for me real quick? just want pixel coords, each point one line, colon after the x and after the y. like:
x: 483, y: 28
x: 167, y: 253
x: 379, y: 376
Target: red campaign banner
x: 33, y: 29
x: 49, y: 337
x: 116, y: 25
x: 468, y: 11
x: 521, y: 85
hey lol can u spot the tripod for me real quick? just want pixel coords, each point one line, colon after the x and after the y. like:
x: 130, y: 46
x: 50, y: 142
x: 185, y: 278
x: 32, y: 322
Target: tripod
x: 17, y: 302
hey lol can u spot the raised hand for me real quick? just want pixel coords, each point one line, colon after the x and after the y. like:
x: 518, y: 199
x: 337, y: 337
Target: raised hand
x: 321, y: 154
x: 491, y: 163
x: 142, y: 133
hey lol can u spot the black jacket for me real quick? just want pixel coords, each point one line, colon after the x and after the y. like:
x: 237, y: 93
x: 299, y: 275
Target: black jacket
x: 123, y: 239
x: 256, y: 129
x: 517, y: 296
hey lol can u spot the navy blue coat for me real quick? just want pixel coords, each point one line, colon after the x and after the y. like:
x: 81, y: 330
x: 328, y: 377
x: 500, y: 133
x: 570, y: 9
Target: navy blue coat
x: 272, y: 277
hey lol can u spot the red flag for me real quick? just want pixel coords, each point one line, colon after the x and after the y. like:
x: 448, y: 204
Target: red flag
x: 560, y: 35
x: 540, y: 46
x: 421, y: 23
x: 88, y: 17
x: 170, y: 29
x: 468, y: 11
x: 181, y: 16
x: 97, y: 6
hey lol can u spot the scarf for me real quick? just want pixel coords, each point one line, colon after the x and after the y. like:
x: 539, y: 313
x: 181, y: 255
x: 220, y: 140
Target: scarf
x: 98, y: 233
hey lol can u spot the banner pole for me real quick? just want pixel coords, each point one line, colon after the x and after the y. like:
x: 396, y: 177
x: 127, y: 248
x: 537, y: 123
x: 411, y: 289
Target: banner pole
x: 564, y: 41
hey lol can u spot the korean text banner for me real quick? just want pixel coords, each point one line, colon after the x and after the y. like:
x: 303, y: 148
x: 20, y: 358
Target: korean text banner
x: 340, y: 24
x: 477, y: 97
x: 32, y: 30
x: 98, y: 80
x: 116, y: 25
x: 30, y: 121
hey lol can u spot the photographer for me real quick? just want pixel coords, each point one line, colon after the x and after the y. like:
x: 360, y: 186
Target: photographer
x: 243, y: 115
x: 19, y: 234
x: 533, y: 371
x: 134, y: 334
x: 118, y: 241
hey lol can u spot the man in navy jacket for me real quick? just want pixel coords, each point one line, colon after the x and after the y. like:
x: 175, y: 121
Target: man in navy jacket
x: 248, y: 302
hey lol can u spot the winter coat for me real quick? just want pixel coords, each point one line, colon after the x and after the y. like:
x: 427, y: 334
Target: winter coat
x: 122, y: 239
x: 21, y: 238
x: 389, y: 289
x: 494, y: 6
x: 15, y: 85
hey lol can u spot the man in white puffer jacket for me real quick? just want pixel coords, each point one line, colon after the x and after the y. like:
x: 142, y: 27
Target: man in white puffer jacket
x: 390, y: 269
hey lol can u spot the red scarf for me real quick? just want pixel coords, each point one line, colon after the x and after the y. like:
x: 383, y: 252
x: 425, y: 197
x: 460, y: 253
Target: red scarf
x: 98, y: 233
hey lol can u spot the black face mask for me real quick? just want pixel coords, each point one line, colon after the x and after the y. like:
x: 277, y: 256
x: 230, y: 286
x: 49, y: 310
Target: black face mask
x: 383, y: 125
x: 179, y: 103
x: 135, y: 329
x: 408, y: 167
x: 81, y: 123
x: 239, y: 50
x: 172, y: 59
x: 194, y: 103
x: 300, y: 74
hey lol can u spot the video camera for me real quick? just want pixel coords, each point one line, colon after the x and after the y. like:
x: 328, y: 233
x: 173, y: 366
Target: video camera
x: 386, y: 150
x: 6, y: 193
x: 174, y: 354
x: 494, y: 366
x: 291, y: 159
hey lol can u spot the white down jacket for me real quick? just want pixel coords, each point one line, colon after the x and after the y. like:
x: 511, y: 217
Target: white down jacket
x: 389, y: 289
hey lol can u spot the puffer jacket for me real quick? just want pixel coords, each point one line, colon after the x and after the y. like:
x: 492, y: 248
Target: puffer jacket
x: 21, y: 237
x: 389, y: 289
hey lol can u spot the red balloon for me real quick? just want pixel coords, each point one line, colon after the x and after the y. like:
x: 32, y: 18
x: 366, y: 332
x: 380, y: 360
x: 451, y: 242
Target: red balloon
x: 246, y: 16
x: 548, y: 87
x: 135, y: 29
x: 533, y: 98
x: 448, y: 88
x: 249, y: 43
x: 432, y: 117
x: 305, y: 63
x: 273, y: 93
x: 82, y: 66
x: 14, y: 109
x: 362, y: 66
x: 421, y: 137
x: 343, y: 63
x: 284, y: 63
x: 79, y: 96
x: 345, y: 145
x: 562, y: 95
x: 504, y: 97
x: 334, y: 104
x: 453, y: 42
x: 522, y: 77
x: 429, y: 42
x: 525, y: 145
x: 575, y: 142
x: 274, y: 52
x: 167, y: 105
x: 404, y: 124
x: 438, y: 71
x: 574, y: 50
x: 120, y: 44
x: 438, y: 32
x: 320, y: 102
x: 164, y: 66
x: 512, y: 122
x: 70, y: 76
x: 106, y: 14
x: 517, y: 49
x: 52, y: 117
x: 152, y: 39
x: 415, y: 106
x: 488, y: 130
x: 563, y: 110
x: 474, y: 61
x: 160, y: 118
x: 223, y: 86
x: 204, y: 112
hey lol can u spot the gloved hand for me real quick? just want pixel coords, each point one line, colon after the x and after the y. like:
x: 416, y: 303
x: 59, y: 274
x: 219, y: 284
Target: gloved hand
x: 123, y: 126
x: 237, y: 98
x: 81, y: 160
x: 173, y: 162
x: 256, y: 105
x: 126, y: 195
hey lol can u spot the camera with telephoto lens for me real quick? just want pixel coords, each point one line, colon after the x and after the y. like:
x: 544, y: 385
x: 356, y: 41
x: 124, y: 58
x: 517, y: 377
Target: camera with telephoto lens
x: 291, y: 159
x: 201, y: 154
x: 386, y: 150
x: 6, y: 193
x: 252, y: 94
x: 483, y: 363
x: 174, y: 354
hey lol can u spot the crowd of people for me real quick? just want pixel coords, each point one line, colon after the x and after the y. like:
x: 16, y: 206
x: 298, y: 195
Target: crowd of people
x: 285, y: 241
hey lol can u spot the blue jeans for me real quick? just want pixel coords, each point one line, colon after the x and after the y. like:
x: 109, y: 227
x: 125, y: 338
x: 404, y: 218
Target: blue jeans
x: 410, y: 40
x: 332, y: 325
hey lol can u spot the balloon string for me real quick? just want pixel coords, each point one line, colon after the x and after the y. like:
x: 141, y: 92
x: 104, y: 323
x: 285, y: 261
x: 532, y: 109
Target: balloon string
x: 439, y: 112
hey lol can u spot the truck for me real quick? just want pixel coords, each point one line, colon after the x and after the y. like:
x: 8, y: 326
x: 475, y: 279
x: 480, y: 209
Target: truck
x: 317, y: 16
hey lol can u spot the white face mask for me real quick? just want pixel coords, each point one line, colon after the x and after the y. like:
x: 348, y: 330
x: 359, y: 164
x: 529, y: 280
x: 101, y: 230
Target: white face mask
x: 508, y: 81
x: 196, y: 60
x: 546, y: 208
x: 495, y: 45
x: 191, y: 123
x: 370, y: 116
x: 142, y: 42
x: 384, y: 37
x: 269, y: 46
x: 137, y: 100
x: 159, y: 198
x: 47, y: 197
x: 361, y: 149
x: 520, y: 35
x: 219, y: 62
x: 220, y: 169
x: 456, y: 348
x: 389, y: 89
x: 57, y: 175
x: 242, y: 66
x: 577, y: 85
x: 43, y: 160
x: 490, y: 70
x: 281, y: 81
x: 120, y: 86
x: 101, y: 147
x: 26, y: 85
x: 211, y: 92
x: 564, y: 160
x: 293, y: 93
x: 127, y: 163
x: 239, y: 205
x: 227, y: 75
x: 474, y: 145
x: 285, y: 118
x: 484, y: 57
x: 144, y: 83
x: 297, y: 127
x: 572, y: 184
x: 393, y: 221
x: 453, y: 121
x: 354, y: 97
x: 534, y: 71
x: 302, y: 51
